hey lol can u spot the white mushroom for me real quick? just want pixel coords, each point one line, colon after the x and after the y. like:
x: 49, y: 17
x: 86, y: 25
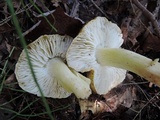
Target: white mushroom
x: 56, y: 79
x: 97, y: 48
x: 81, y: 55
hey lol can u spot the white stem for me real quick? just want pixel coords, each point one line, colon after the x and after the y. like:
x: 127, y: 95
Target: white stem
x: 69, y: 79
x: 131, y: 61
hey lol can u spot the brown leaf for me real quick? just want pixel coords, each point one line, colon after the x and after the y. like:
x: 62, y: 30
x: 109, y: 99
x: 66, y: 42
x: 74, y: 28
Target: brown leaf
x: 3, y: 47
x: 125, y: 27
x: 6, y: 49
x: 10, y: 79
x: 63, y: 23
x: 16, y: 4
x: 41, y: 4
x: 118, y: 98
x: 121, y: 95
x: 152, y: 42
x: 56, y: 2
x: 5, y: 28
x: 15, y: 54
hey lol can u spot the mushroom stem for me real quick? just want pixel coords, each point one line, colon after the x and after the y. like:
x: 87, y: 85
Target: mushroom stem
x: 131, y: 61
x: 69, y: 79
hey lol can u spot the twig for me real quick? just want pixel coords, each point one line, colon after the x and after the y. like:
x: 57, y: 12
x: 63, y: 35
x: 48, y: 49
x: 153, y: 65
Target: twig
x: 16, y: 13
x: 100, y: 10
x: 74, y: 9
x: 149, y: 15
x: 146, y: 105
x: 31, y: 29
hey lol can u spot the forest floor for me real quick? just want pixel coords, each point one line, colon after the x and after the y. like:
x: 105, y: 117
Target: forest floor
x: 134, y: 99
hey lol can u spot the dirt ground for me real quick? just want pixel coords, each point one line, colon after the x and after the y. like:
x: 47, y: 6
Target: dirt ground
x: 134, y: 99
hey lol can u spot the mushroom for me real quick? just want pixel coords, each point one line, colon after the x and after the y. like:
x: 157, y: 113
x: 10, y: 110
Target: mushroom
x: 56, y: 79
x: 81, y: 55
x: 97, y: 48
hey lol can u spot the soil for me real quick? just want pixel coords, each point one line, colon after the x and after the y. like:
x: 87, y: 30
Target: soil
x: 134, y: 99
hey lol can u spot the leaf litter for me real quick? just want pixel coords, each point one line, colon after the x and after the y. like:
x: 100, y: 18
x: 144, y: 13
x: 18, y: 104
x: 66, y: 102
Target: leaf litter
x: 134, y: 99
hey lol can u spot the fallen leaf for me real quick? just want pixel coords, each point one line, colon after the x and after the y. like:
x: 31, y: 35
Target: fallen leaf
x: 10, y: 79
x: 121, y: 95
x: 56, y: 2
x: 124, y: 28
x: 151, y: 43
x: 6, y: 28
x: 63, y: 23
x: 16, y: 4
x: 41, y: 4
x: 3, y: 47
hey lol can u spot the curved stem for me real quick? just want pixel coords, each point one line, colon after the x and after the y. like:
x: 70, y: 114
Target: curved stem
x: 69, y: 79
x: 131, y: 61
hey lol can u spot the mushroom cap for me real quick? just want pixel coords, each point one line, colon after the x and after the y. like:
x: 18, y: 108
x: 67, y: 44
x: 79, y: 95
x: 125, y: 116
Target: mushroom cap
x: 81, y: 55
x: 40, y: 52
x: 104, y: 78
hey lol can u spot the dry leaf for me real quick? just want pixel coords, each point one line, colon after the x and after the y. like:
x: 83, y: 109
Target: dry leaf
x: 3, y: 47
x: 6, y: 28
x: 125, y: 27
x: 121, y: 95
x: 63, y: 23
x: 10, y: 79
x: 41, y: 4
x: 151, y: 42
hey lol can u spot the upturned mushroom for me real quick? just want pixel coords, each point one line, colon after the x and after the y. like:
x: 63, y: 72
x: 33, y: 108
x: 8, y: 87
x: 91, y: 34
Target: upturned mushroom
x: 56, y: 79
x: 97, y: 47
x: 81, y: 55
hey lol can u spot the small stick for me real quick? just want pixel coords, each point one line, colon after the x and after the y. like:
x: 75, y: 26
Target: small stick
x: 74, y: 9
x: 149, y: 15
x: 101, y: 10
